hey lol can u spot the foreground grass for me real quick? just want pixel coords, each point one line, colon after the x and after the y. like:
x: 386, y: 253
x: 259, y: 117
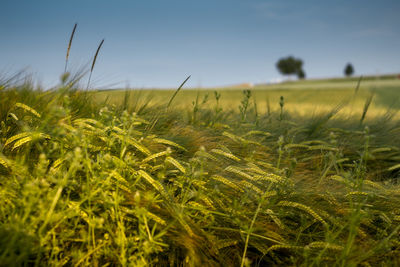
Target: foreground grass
x: 136, y: 183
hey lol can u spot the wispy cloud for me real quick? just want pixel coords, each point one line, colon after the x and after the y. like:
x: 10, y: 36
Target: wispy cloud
x: 375, y: 32
x: 271, y: 10
x: 281, y: 11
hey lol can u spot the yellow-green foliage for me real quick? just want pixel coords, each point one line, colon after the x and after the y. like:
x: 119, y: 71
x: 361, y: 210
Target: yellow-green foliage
x: 86, y: 183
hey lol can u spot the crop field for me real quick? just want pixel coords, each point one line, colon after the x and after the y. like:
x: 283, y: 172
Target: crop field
x: 306, y: 97
x: 292, y: 174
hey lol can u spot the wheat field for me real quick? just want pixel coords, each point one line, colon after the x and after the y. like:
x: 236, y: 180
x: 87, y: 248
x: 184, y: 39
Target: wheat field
x: 277, y: 176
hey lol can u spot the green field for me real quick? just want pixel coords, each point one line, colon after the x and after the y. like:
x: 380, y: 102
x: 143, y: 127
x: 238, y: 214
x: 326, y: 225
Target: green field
x: 293, y: 174
x: 307, y: 96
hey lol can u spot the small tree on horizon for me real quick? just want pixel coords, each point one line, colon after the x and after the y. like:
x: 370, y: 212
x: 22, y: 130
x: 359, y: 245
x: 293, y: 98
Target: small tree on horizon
x: 348, y: 70
x: 290, y: 66
x: 301, y: 74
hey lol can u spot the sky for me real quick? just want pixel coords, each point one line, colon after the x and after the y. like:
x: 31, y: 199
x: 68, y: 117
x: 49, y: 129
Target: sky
x: 158, y: 43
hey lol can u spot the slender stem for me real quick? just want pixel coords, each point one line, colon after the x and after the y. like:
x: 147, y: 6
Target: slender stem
x: 177, y: 90
x: 252, y: 224
x: 94, y: 62
x: 248, y: 233
x: 69, y: 47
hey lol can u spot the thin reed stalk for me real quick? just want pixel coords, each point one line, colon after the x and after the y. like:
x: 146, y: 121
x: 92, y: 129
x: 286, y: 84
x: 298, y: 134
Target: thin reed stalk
x: 366, y: 107
x: 69, y: 46
x: 358, y: 85
x: 157, y: 117
x: 352, y: 99
x: 249, y: 231
x: 177, y: 90
x: 94, y: 62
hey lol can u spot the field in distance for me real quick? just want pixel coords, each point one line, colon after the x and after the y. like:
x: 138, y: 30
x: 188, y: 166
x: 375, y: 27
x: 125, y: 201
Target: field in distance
x: 303, y: 97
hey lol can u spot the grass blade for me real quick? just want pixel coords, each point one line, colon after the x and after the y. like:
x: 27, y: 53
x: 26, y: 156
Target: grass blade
x: 358, y: 85
x: 157, y: 116
x: 366, y: 106
x: 69, y: 46
x: 94, y: 62
x: 177, y: 90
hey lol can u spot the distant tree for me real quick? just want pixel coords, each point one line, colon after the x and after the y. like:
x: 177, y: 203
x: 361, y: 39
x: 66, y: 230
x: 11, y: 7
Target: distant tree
x: 290, y: 65
x: 348, y: 70
x: 301, y: 74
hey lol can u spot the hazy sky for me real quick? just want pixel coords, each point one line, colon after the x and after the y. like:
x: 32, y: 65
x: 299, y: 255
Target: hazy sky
x: 157, y: 43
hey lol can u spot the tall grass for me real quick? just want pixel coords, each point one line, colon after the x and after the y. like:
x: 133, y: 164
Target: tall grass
x: 91, y: 183
x: 94, y: 62
x: 69, y: 47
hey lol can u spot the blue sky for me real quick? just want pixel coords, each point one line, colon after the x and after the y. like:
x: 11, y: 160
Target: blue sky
x: 157, y: 43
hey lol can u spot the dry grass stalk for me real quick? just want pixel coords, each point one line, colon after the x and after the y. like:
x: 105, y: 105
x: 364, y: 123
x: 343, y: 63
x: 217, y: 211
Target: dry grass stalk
x: 69, y: 46
x: 94, y: 62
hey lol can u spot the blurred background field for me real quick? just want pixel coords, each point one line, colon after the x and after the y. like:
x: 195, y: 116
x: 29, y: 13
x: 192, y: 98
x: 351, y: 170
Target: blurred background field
x: 304, y: 97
